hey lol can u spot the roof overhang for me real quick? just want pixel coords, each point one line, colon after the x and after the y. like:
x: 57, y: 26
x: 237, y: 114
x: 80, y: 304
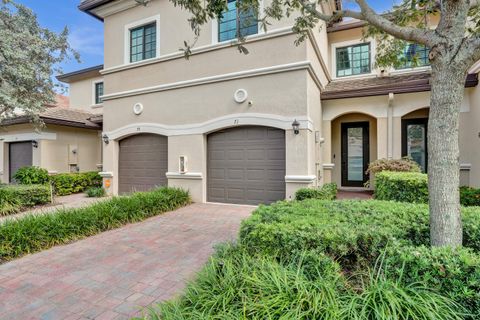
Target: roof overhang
x: 420, y: 85
x: 82, y: 74
x: 47, y: 120
x: 103, y: 8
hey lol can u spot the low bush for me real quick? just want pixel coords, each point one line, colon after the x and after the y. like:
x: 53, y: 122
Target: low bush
x: 327, y: 192
x: 469, y: 196
x: 68, y: 183
x: 34, y: 233
x: 405, y: 164
x: 401, y: 186
x: 31, y: 175
x: 454, y: 273
x: 95, y: 192
x: 14, y: 198
x: 237, y: 285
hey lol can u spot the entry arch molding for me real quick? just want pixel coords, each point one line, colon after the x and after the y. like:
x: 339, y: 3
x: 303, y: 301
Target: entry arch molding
x: 207, y: 127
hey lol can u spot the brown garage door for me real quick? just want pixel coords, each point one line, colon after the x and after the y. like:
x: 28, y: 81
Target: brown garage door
x: 20, y: 155
x: 143, y: 162
x: 246, y: 165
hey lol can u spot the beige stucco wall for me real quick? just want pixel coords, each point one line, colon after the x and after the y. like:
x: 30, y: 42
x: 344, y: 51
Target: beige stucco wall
x: 81, y: 95
x: 276, y: 100
x: 54, y: 143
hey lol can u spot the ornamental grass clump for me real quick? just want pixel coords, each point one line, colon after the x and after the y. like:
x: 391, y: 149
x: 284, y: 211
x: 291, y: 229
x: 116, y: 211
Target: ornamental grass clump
x: 39, y: 232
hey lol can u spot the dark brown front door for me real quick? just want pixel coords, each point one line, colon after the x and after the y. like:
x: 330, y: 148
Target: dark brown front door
x: 20, y: 155
x: 414, y: 141
x: 246, y: 165
x: 143, y: 163
x: 355, y: 153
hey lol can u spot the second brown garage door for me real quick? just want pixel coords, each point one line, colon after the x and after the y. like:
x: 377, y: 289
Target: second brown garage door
x: 246, y: 165
x: 143, y: 162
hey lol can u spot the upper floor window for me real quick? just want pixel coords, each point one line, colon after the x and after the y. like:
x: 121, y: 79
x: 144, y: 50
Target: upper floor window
x: 353, y: 60
x: 414, y: 55
x: 143, y: 42
x: 98, y: 92
x: 235, y: 23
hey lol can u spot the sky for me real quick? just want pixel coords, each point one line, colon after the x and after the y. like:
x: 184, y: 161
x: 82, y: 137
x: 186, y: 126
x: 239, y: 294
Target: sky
x: 86, y: 32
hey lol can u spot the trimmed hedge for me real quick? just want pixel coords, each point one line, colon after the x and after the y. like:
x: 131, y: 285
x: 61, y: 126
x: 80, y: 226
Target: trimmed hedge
x: 68, y: 183
x: 469, y: 196
x: 401, y: 186
x: 362, y: 235
x: 327, y: 192
x: 405, y: 164
x: 14, y: 198
x: 35, y: 233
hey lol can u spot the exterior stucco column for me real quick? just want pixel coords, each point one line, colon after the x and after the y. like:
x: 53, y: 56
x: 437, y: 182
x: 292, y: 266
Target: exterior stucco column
x: 327, y: 151
x: 300, y: 161
x: 382, y: 138
x: 110, y: 167
x: 194, y: 150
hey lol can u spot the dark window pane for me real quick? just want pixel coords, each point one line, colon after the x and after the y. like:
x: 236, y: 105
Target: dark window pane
x: 414, y: 55
x: 235, y: 22
x: 143, y: 42
x: 98, y: 92
x: 353, y: 60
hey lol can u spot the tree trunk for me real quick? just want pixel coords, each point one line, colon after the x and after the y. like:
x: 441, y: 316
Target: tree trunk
x: 448, y: 85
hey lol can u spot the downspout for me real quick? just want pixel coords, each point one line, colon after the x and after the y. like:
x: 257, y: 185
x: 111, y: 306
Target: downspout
x: 390, y: 126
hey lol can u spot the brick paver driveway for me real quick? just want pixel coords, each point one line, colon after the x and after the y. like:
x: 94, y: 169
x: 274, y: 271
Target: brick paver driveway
x: 109, y: 276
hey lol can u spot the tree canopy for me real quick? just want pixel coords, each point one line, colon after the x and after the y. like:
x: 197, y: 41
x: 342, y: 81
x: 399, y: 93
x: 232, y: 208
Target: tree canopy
x: 29, y: 56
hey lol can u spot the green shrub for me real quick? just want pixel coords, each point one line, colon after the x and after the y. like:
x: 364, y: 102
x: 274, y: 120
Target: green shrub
x: 68, y: 183
x: 31, y: 175
x: 401, y: 186
x: 236, y: 285
x: 327, y: 192
x: 469, y: 196
x: 452, y: 272
x: 38, y: 232
x: 95, y: 192
x: 14, y: 198
x: 405, y: 164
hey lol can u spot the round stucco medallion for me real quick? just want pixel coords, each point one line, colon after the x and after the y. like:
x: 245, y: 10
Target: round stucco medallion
x: 240, y: 95
x: 137, y: 108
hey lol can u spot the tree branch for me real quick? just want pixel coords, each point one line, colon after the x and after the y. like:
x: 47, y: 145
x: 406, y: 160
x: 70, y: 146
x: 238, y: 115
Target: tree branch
x: 470, y: 51
x: 367, y: 14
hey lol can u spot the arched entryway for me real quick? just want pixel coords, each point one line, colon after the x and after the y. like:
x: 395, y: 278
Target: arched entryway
x: 143, y: 162
x: 246, y: 165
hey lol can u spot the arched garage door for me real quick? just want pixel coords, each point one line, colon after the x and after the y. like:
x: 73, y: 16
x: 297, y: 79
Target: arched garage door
x: 246, y: 165
x: 143, y: 162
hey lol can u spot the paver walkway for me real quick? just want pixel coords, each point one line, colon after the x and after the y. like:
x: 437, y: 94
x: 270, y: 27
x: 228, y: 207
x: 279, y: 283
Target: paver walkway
x: 77, y: 200
x: 109, y: 276
x: 359, y: 195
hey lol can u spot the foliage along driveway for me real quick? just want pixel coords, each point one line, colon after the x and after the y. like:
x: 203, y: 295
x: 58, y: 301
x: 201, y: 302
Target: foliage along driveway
x: 113, y: 274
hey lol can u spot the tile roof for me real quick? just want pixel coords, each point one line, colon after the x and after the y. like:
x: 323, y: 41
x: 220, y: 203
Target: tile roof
x: 63, y: 116
x: 375, y: 86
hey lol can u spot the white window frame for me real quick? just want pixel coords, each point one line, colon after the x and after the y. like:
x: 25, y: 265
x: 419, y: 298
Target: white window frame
x: 137, y: 24
x: 94, y: 93
x: 352, y: 43
x: 214, y: 23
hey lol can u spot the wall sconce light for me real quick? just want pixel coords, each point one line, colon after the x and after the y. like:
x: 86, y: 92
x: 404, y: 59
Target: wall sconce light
x: 296, y: 126
x: 35, y: 144
x: 106, y: 139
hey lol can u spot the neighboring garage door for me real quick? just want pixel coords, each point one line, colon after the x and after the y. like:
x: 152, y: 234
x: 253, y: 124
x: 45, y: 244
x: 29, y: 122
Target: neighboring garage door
x: 246, y: 165
x: 20, y: 155
x: 143, y: 162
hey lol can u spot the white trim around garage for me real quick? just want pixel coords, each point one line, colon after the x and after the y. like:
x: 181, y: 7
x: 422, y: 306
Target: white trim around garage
x: 232, y: 120
x: 28, y: 136
x: 306, y: 179
x: 186, y: 176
